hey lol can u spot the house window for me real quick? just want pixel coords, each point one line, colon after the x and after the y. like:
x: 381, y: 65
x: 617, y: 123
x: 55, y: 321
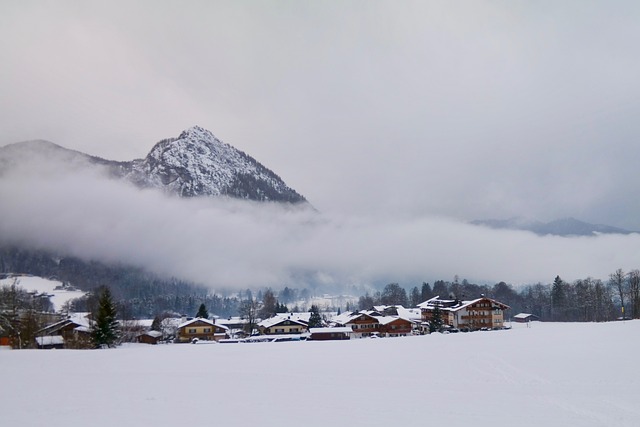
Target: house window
x: 192, y: 331
x: 207, y: 330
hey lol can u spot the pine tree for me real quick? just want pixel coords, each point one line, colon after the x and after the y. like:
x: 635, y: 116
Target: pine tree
x: 202, y: 312
x: 106, y: 329
x: 315, y: 320
x: 156, y: 325
x: 436, y: 320
x: 269, y: 305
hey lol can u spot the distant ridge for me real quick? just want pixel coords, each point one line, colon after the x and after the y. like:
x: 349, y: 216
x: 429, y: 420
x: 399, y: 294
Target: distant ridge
x: 560, y: 227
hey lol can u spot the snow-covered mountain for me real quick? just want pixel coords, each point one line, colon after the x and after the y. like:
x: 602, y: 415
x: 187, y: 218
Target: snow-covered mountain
x: 198, y: 164
x: 195, y: 163
x: 559, y: 227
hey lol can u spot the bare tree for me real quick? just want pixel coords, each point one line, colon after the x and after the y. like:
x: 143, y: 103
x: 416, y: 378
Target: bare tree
x: 634, y: 292
x: 249, y: 312
x: 618, y: 283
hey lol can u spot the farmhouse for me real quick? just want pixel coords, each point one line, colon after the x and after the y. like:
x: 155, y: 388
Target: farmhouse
x: 472, y: 315
x: 71, y: 332
x: 285, y: 323
x: 366, y: 323
x: 201, y: 329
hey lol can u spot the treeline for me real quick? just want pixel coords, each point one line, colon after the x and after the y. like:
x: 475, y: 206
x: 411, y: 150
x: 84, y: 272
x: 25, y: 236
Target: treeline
x: 136, y: 292
x: 583, y: 300
x: 140, y: 294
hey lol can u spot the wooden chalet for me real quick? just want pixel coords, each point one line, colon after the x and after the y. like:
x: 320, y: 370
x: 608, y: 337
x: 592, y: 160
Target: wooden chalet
x: 74, y: 332
x: 201, y: 329
x: 285, y: 324
x: 367, y: 323
x: 525, y: 318
x: 149, y: 337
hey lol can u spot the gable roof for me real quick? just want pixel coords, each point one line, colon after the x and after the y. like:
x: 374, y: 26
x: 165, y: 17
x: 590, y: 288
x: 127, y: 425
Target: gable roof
x: 79, y: 321
x: 524, y: 315
x: 346, y: 318
x: 154, y: 334
x: 203, y: 320
x: 281, y: 318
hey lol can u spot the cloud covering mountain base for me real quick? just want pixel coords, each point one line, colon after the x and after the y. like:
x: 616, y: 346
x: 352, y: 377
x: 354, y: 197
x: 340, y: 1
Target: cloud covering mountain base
x: 226, y: 243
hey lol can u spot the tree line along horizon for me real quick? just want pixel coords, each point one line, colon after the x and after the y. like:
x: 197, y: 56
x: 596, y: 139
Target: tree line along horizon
x: 583, y: 300
x: 141, y: 294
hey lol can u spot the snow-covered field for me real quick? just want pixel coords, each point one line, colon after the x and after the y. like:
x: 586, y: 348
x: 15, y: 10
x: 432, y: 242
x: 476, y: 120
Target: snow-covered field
x: 42, y: 285
x: 548, y: 375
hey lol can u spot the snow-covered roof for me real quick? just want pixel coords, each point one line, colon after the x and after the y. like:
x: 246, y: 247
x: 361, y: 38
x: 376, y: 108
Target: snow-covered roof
x: 282, y: 317
x: 154, y: 334
x: 231, y: 321
x: 345, y: 318
x: 303, y: 316
x: 454, y: 305
x: 78, y: 319
x: 411, y: 314
x: 523, y: 315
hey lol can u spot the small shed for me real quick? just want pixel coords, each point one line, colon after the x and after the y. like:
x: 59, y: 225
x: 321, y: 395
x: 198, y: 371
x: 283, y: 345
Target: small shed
x: 328, y: 334
x: 525, y: 318
x: 150, y: 337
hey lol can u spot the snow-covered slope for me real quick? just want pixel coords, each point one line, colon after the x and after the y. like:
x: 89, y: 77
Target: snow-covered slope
x: 552, y: 375
x: 58, y: 293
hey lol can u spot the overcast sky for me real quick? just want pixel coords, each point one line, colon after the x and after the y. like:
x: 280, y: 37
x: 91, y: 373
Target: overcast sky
x: 398, y: 110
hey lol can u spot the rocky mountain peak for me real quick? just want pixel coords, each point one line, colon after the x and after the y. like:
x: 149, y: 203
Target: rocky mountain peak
x: 196, y: 163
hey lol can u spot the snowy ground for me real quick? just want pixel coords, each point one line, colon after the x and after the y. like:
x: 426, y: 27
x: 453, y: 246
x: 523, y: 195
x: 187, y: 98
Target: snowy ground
x: 547, y: 375
x: 42, y: 285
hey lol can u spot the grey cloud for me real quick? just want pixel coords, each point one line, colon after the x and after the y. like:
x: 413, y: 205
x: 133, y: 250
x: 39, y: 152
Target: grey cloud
x: 234, y: 244
x: 377, y: 110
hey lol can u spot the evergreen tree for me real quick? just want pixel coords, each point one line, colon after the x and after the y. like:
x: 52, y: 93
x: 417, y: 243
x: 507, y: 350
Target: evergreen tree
x: 559, y: 299
x: 415, y: 297
x: 436, y: 320
x: 156, y: 325
x: 105, y: 330
x: 425, y: 292
x: 202, y: 312
x: 315, y: 320
x: 269, y: 305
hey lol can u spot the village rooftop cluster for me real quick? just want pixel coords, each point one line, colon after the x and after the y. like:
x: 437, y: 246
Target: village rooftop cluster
x: 433, y: 315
